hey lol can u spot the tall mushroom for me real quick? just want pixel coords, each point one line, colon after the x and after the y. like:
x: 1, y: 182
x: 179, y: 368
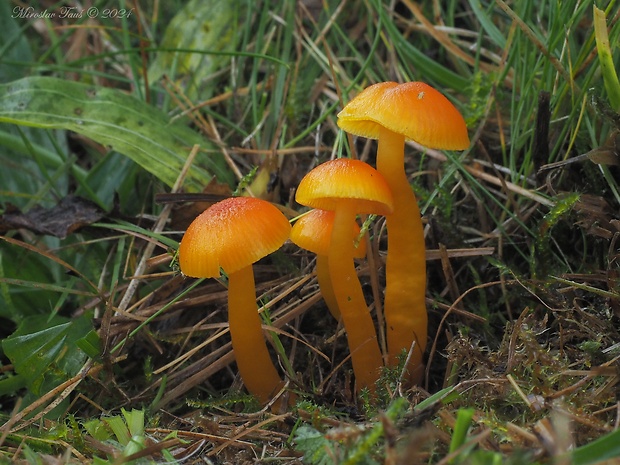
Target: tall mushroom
x: 313, y: 232
x: 349, y: 187
x: 391, y: 113
x: 232, y: 235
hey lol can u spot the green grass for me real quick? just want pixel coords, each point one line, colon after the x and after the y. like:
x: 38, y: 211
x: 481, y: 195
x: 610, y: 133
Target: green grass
x: 109, y: 355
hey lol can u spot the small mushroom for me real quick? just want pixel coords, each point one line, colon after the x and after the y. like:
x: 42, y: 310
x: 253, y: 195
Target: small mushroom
x: 349, y: 187
x: 232, y: 235
x: 313, y: 232
x: 391, y: 113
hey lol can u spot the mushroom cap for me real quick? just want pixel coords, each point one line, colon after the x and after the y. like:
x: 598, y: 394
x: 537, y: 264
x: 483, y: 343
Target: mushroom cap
x: 231, y: 235
x: 313, y: 232
x: 414, y: 109
x: 346, y: 181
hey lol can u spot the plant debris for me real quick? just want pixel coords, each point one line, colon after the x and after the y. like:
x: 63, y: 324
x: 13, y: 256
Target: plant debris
x: 69, y: 215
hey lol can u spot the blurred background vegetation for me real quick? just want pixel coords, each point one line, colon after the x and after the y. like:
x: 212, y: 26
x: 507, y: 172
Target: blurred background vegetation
x: 109, y: 354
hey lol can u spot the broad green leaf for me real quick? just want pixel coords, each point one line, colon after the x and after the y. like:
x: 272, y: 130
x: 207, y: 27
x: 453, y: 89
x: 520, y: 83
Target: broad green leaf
x: 32, y: 354
x: 205, y: 26
x: 114, y: 119
x: 45, y: 352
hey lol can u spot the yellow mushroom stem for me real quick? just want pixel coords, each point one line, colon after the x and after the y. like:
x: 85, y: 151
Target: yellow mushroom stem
x: 253, y: 360
x: 325, y: 285
x: 361, y: 334
x: 405, y: 306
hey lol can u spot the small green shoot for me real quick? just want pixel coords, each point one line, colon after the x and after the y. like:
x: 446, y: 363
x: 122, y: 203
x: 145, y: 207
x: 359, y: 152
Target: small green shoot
x: 463, y: 421
x: 605, y: 56
x: 125, y: 432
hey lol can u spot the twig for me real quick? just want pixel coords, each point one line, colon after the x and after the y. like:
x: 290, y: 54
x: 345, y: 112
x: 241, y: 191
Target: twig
x: 159, y: 226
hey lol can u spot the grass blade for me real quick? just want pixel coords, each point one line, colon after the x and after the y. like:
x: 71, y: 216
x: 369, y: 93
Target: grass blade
x: 605, y: 57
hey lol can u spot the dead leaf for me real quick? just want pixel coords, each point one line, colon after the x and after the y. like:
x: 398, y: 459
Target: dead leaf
x: 71, y: 214
x: 595, y: 216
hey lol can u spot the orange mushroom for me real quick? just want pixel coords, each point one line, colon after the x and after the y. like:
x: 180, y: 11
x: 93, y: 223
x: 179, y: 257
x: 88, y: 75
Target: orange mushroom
x: 391, y: 113
x: 231, y: 235
x: 313, y: 232
x: 349, y: 187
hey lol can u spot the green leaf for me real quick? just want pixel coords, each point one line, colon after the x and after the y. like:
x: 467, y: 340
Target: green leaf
x: 202, y: 26
x: 97, y: 429
x: 317, y: 449
x: 604, y: 448
x: 129, y: 430
x: 32, y: 354
x: 459, y: 433
x: 44, y: 351
x: 135, y: 421
x: 114, y: 119
x: 119, y: 428
x: 135, y: 445
x: 90, y: 344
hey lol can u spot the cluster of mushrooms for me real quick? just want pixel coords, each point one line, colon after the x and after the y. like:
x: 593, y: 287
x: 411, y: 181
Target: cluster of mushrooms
x: 337, y: 191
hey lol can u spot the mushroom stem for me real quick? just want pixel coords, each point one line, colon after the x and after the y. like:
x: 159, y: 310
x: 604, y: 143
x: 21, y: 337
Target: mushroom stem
x: 361, y: 334
x: 325, y: 285
x: 405, y: 306
x: 253, y: 360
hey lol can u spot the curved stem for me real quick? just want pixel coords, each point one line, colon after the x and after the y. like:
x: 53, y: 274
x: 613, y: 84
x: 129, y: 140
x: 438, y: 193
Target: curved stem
x: 405, y: 293
x: 361, y: 335
x: 253, y: 360
x: 325, y: 285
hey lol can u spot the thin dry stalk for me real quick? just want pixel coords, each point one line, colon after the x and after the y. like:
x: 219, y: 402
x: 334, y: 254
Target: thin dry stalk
x: 157, y: 228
